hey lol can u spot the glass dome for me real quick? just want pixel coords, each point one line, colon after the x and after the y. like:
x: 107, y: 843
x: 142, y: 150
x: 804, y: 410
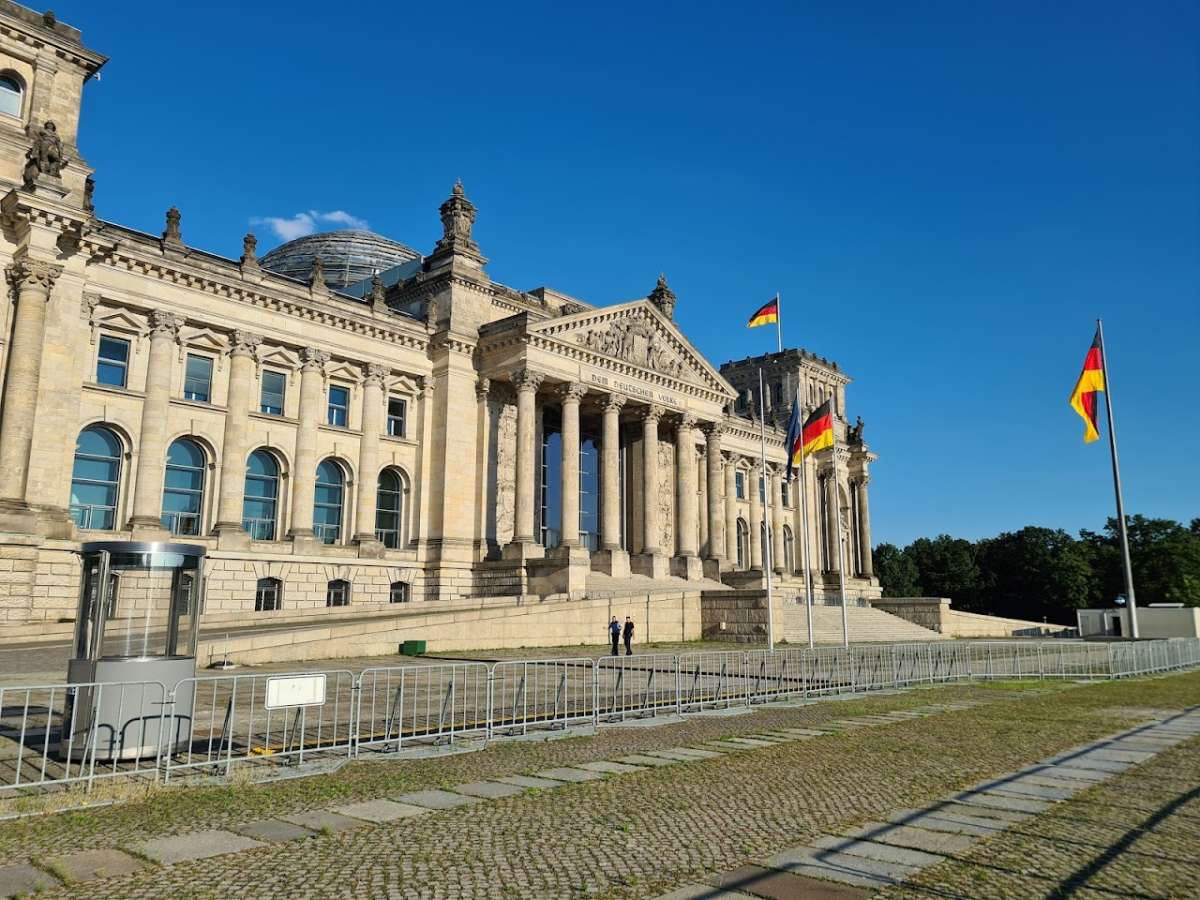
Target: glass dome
x: 348, y: 256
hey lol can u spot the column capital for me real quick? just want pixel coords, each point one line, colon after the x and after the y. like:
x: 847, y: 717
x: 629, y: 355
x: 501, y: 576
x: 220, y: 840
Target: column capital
x: 483, y: 387
x: 730, y: 457
x: 313, y: 360
x: 652, y: 413
x: 713, y: 431
x: 33, y: 274
x: 527, y: 380
x: 572, y: 391
x: 686, y: 422
x: 244, y: 343
x: 425, y: 385
x: 613, y: 402
x: 374, y: 373
x: 164, y: 324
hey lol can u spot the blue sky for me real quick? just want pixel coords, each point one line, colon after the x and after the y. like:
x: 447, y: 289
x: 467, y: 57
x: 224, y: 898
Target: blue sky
x: 947, y: 195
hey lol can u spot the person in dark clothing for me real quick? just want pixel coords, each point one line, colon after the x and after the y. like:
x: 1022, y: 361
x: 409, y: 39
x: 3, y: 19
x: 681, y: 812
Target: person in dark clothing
x: 628, y: 636
x: 614, y: 632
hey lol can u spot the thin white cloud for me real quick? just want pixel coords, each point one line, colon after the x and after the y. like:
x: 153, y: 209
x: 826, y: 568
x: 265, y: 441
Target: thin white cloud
x: 302, y: 223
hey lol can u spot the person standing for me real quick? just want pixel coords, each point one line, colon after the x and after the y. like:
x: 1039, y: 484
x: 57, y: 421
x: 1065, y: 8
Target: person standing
x: 614, y: 632
x: 628, y: 636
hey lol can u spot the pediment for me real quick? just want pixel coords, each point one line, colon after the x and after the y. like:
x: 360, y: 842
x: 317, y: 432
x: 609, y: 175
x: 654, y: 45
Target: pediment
x: 636, y: 333
x: 401, y: 384
x: 121, y: 321
x: 203, y: 339
x: 278, y: 358
x: 344, y: 372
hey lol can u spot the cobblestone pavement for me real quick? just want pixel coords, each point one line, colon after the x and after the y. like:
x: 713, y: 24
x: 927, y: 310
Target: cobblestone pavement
x: 1137, y: 835
x: 633, y: 834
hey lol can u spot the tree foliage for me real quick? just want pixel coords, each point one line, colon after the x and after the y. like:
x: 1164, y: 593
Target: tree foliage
x: 1037, y: 573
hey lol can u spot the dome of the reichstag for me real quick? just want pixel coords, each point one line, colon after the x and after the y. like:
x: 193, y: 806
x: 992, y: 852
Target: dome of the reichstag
x: 347, y: 256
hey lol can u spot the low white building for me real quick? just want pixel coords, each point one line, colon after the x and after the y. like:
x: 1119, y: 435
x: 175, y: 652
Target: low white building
x: 1163, y: 620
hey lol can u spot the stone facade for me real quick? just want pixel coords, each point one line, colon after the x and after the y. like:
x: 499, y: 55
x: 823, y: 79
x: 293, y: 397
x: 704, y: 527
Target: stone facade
x: 156, y: 350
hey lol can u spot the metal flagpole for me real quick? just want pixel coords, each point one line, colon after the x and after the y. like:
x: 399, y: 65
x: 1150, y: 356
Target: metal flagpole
x: 837, y: 508
x: 779, y: 320
x: 1112, y: 445
x: 765, y: 537
x: 808, y: 585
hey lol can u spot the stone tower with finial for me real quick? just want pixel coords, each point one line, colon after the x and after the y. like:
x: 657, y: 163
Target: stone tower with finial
x: 663, y: 297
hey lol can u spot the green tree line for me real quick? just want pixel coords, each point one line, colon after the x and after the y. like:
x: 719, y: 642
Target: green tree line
x: 1038, y: 573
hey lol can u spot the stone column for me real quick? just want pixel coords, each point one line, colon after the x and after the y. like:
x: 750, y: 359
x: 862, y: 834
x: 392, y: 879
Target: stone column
x: 152, y: 444
x: 687, y: 562
x: 570, y: 394
x: 610, y: 478
x: 32, y: 281
x: 864, y: 528
x: 304, y: 478
x: 756, y: 517
x: 527, y: 383
x: 716, y: 522
x: 243, y: 350
x: 731, y: 510
x: 368, y: 453
x: 775, y: 487
x: 652, y: 535
x: 702, y: 501
x: 833, y: 514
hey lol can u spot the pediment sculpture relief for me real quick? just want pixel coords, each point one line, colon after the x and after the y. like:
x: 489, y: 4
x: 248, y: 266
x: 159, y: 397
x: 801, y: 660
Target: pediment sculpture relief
x: 636, y: 341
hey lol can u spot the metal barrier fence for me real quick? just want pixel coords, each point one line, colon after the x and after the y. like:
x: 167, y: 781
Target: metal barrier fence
x: 409, y: 707
x: 62, y: 735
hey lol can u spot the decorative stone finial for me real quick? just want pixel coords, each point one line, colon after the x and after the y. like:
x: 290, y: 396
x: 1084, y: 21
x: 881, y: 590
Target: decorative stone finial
x: 663, y: 297
x: 249, y: 258
x: 172, y: 234
x: 458, y: 218
x: 378, y: 295
x: 316, y: 278
x: 45, y: 155
x: 49, y: 19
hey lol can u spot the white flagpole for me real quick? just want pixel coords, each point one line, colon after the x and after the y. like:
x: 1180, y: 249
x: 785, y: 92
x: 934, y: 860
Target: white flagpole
x: 837, y: 507
x: 766, y: 536
x: 808, y: 585
x: 1116, y: 467
x: 779, y: 320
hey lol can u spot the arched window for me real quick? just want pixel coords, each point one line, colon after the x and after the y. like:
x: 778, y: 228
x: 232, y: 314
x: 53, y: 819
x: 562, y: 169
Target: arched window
x: 96, y: 479
x: 327, y: 507
x: 743, y: 544
x: 399, y: 592
x: 183, y: 488
x: 268, y: 595
x: 789, y: 550
x: 389, y: 508
x: 337, y: 593
x: 12, y: 92
x: 261, y: 496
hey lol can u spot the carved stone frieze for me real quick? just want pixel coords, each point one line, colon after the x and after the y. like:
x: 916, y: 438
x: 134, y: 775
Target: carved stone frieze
x: 635, y: 340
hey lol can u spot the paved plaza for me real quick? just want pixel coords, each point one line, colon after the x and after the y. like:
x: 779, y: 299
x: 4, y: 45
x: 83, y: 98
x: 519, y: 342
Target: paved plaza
x: 1004, y: 790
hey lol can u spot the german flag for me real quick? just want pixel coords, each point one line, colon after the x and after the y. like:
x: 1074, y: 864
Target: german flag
x: 1091, y: 382
x: 768, y: 314
x: 817, y: 433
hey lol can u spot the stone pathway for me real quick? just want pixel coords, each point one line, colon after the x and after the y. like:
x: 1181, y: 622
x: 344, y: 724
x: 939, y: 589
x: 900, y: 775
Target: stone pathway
x: 879, y: 854
x: 91, y: 865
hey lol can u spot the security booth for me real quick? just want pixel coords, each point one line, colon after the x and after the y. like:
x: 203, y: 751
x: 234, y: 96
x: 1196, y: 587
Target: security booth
x: 138, y: 622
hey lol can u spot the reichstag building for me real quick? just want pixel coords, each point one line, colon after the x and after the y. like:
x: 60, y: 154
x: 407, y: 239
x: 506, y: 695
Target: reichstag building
x: 348, y: 421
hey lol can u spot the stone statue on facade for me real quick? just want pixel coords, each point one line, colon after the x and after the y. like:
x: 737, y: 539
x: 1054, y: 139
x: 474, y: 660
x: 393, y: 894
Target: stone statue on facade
x: 378, y: 295
x: 663, y: 297
x: 249, y: 258
x: 45, y: 156
x: 854, y: 434
x: 89, y: 189
x: 172, y: 233
x: 316, y: 278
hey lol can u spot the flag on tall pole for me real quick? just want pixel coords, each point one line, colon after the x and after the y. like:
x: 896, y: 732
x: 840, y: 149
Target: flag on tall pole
x: 795, y: 451
x: 768, y: 314
x: 1093, y: 380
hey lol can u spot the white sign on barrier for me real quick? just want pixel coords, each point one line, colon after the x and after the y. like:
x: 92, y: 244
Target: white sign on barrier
x: 295, y: 690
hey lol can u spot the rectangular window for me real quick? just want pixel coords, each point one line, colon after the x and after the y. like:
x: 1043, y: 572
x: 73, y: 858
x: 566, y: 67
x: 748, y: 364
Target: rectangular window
x: 739, y: 480
x: 784, y: 488
x: 197, y: 379
x: 112, y: 367
x: 274, y: 387
x: 339, y: 406
x: 337, y: 593
x: 397, y: 413
x: 266, y: 595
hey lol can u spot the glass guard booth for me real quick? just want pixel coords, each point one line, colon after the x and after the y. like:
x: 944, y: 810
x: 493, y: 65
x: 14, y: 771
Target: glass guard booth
x: 138, y: 621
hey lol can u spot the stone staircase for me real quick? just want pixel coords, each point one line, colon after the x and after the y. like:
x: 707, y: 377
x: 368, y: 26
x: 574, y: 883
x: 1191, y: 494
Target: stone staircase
x: 866, y: 625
